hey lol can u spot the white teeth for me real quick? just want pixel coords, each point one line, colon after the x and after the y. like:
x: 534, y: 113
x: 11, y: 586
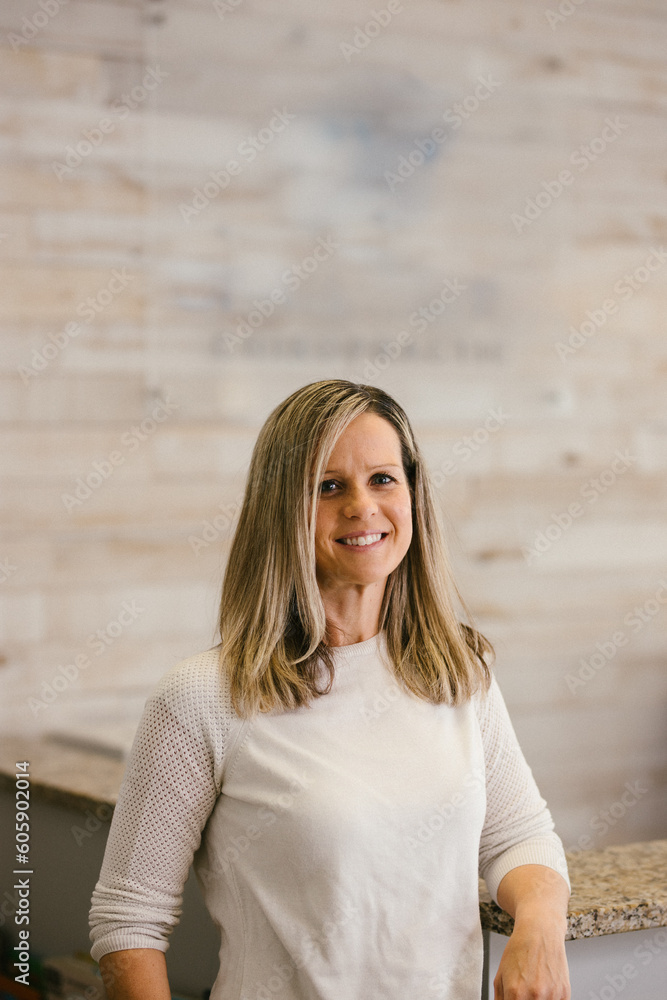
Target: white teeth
x: 362, y: 540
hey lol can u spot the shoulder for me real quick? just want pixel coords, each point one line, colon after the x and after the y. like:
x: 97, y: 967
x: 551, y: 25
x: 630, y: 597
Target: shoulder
x: 190, y: 711
x: 198, y: 672
x: 490, y: 708
x: 484, y: 698
x: 196, y: 690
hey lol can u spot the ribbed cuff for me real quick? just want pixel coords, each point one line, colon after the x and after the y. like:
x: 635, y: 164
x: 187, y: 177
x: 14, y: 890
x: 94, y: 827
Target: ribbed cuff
x: 530, y: 852
x: 121, y: 940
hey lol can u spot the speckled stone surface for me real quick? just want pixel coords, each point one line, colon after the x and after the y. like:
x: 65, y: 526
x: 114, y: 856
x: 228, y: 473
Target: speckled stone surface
x: 616, y: 889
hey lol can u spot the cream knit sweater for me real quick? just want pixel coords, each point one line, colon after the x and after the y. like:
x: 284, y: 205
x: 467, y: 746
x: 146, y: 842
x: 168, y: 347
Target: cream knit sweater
x: 337, y: 845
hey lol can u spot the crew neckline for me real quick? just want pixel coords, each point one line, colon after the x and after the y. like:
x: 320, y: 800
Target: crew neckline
x: 357, y: 648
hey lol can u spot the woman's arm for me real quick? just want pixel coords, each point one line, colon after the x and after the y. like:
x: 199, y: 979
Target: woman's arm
x: 523, y: 863
x: 534, y: 964
x: 168, y: 792
x: 135, y: 974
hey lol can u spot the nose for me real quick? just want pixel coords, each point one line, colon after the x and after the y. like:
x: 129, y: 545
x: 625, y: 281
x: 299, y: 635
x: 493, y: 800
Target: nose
x: 359, y: 502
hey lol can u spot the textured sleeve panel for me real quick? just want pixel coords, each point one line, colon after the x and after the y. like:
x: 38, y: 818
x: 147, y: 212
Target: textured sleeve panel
x: 170, y: 786
x: 518, y: 828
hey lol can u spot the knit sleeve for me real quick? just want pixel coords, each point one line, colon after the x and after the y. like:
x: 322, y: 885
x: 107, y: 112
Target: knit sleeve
x: 518, y: 828
x: 170, y: 786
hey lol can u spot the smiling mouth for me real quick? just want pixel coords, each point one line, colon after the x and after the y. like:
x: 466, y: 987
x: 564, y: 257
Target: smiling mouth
x: 363, y: 541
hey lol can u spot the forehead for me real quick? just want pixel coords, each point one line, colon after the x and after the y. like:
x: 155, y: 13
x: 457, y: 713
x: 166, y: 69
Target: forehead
x: 371, y: 436
x: 371, y: 426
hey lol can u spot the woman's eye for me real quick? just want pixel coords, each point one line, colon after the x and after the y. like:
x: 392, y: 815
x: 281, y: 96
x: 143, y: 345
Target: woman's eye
x: 378, y: 475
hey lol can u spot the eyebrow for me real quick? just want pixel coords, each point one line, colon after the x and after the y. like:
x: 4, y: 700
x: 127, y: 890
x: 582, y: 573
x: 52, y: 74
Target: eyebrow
x: 369, y: 468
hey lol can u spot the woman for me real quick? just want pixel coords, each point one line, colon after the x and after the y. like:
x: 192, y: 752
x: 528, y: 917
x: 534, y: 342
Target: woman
x: 342, y: 764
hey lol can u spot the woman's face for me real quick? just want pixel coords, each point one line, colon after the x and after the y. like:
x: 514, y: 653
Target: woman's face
x: 363, y: 492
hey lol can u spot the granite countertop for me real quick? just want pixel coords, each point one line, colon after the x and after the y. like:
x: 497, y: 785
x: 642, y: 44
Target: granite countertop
x: 614, y: 889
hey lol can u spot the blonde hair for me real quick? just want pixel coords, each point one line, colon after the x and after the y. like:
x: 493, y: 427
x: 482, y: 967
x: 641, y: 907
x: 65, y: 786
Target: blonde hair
x: 272, y: 621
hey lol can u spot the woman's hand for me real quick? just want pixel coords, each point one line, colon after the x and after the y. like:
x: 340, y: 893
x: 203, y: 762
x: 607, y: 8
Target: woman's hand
x: 533, y: 965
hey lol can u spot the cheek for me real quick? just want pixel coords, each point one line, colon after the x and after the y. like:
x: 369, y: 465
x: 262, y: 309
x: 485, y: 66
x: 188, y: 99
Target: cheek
x: 322, y: 529
x: 406, y: 526
x: 404, y: 514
